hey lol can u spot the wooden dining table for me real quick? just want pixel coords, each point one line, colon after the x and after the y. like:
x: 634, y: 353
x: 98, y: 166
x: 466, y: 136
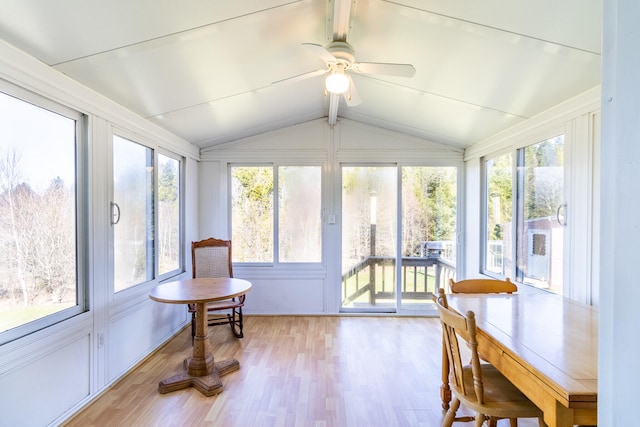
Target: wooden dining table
x: 546, y: 345
x: 201, y: 370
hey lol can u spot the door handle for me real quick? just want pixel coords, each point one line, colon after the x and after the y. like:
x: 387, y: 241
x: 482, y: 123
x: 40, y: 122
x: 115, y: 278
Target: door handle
x: 115, y: 213
x: 561, y: 215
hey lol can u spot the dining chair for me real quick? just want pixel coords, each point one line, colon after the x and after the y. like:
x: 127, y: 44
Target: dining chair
x: 212, y: 258
x: 478, y: 386
x: 482, y: 286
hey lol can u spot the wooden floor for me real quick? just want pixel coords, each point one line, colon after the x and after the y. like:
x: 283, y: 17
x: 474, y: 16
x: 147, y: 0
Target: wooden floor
x: 294, y: 371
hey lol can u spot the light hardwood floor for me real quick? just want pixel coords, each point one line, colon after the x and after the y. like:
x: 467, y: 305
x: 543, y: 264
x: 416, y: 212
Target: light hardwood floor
x: 294, y: 371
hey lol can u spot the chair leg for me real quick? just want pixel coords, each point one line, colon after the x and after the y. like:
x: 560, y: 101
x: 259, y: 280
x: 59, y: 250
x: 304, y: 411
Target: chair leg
x: 480, y: 419
x: 236, y: 322
x: 513, y: 422
x: 451, y: 413
x: 193, y: 327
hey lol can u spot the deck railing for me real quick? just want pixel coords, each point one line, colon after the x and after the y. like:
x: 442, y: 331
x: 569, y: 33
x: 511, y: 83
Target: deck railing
x: 376, y: 276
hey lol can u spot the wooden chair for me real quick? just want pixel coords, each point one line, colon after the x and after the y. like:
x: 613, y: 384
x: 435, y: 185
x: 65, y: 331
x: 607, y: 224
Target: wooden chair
x: 212, y: 258
x: 479, y: 387
x: 482, y: 286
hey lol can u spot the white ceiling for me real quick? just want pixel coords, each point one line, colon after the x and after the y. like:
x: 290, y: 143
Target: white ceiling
x: 203, y: 69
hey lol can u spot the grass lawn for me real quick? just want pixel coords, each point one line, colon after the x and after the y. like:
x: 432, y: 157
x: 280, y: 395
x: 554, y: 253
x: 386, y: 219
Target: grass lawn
x: 12, y: 316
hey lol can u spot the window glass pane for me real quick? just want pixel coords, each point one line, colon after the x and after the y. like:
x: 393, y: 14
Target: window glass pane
x: 499, y: 189
x: 369, y: 215
x: 299, y: 222
x: 429, y: 201
x: 428, y: 230
x: 38, y: 234
x: 133, y: 194
x: 168, y: 214
x: 252, y: 213
x: 541, y: 199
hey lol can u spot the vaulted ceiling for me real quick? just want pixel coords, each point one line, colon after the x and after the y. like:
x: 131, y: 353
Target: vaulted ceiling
x: 205, y: 70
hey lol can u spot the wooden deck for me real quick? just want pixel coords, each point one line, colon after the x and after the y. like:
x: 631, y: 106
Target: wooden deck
x: 294, y: 371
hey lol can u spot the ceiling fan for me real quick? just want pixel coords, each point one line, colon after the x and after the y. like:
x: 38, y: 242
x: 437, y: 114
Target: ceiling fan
x: 340, y: 59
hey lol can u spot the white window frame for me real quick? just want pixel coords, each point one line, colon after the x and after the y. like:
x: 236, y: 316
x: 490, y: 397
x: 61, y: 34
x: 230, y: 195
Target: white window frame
x: 515, y: 150
x: 124, y: 294
x: 181, y: 187
x: 81, y: 132
x: 276, y: 244
x: 484, y: 212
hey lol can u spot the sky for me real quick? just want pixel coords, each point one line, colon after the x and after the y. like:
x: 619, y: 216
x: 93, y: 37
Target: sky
x: 44, y: 140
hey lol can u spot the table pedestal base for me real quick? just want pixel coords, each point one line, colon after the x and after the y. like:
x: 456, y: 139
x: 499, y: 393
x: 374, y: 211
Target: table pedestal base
x: 209, y: 384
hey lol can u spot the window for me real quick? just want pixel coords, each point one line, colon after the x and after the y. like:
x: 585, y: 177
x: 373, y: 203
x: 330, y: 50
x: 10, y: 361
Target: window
x: 41, y: 279
x: 299, y: 224
x: 133, y: 213
x: 538, y: 203
x: 297, y: 190
x: 140, y: 240
x: 429, y: 211
x: 252, y: 213
x: 498, y: 183
x: 169, y: 241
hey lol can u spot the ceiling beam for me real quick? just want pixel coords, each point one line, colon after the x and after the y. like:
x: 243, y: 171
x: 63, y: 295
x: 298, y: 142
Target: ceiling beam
x: 334, y: 101
x: 341, y: 19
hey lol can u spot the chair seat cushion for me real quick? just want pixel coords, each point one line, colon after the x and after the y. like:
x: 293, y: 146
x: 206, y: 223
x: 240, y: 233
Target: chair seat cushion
x: 225, y: 304
x: 219, y: 305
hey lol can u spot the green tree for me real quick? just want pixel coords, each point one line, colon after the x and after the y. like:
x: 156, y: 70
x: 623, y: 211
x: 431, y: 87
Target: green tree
x: 543, y: 178
x: 168, y: 214
x: 429, y: 206
x: 168, y: 182
x: 252, y: 210
x: 499, y: 195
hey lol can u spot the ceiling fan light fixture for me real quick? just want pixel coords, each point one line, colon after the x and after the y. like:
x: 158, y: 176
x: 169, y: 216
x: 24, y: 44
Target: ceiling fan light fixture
x: 337, y: 82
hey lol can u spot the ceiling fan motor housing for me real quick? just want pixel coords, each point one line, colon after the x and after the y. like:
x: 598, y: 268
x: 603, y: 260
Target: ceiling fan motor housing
x: 342, y: 51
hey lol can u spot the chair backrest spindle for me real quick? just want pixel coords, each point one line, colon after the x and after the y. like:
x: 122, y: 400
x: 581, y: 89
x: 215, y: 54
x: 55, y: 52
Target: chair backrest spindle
x: 454, y: 325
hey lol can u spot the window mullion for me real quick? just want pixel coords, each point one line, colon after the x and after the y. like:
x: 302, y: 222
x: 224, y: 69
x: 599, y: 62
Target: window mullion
x: 276, y: 215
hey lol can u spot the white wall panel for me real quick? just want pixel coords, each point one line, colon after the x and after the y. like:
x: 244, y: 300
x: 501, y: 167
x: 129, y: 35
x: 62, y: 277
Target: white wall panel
x: 38, y: 392
x: 305, y: 139
x: 290, y: 295
x: 213, y: 204
x: 358, y: 137
x: 472, y: 228
x: 618, y: 342
x: 135, y: 333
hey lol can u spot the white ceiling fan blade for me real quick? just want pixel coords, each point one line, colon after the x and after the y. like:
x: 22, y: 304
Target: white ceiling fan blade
x: 299, y: 77
x: 401, y: 70
x: 320, y: 51
x: 351, y: 95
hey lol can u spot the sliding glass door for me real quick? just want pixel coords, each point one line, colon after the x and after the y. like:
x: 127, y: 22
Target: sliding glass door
x: 541, y: 214
x: 369, y: 218
x: 399, y: 228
